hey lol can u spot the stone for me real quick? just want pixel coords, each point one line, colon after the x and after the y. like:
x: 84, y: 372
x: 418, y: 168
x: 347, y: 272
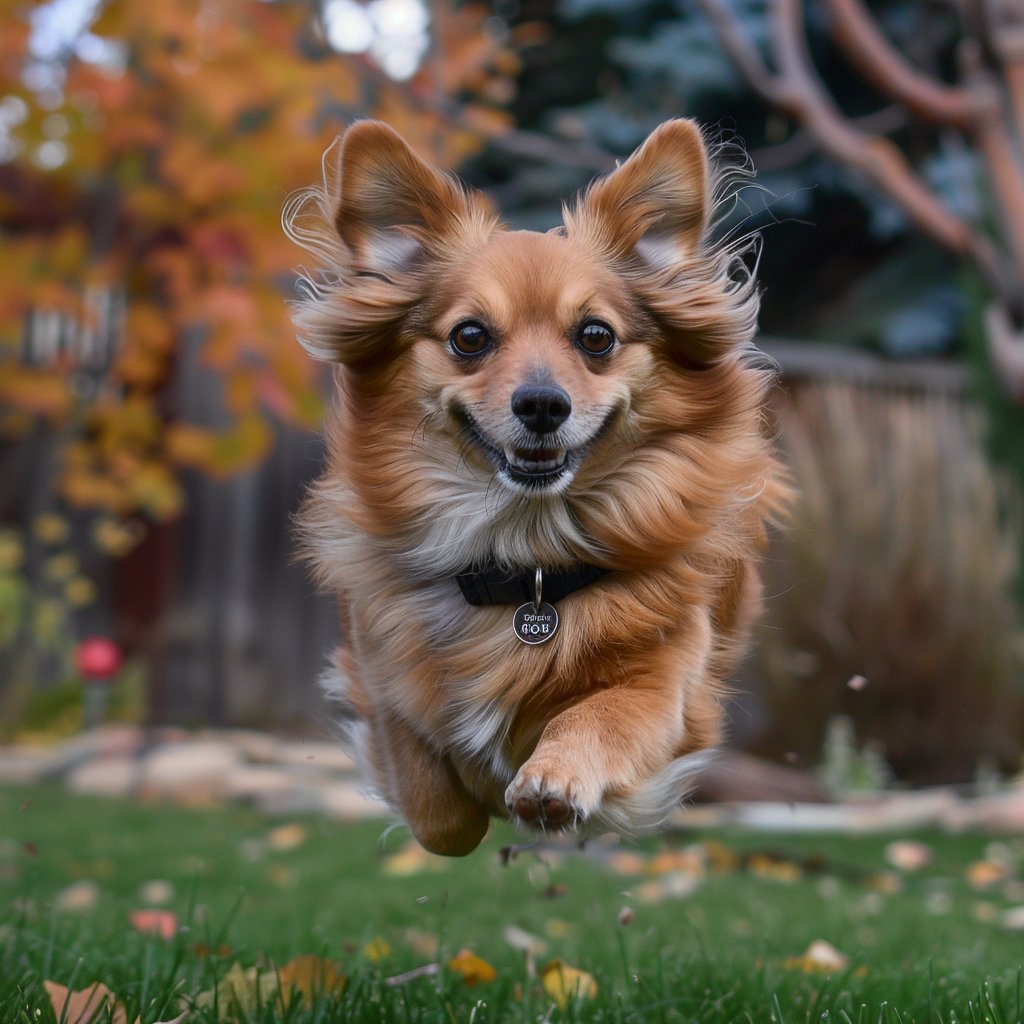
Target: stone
x: 316, y: 754
x: 200, y: 765
x: 1001, y: 812
x: 254, y: 782
x: 349, y: 802
x: 105, y: 776
x: 257, y: 747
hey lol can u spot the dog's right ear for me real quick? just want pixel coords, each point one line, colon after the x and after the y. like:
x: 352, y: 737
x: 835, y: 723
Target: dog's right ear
x: 394, y: 207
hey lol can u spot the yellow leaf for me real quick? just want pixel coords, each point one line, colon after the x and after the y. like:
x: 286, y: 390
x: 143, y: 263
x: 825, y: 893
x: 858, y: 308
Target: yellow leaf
x: 311, y: 976
x: 85, y: 1006
x: 241, y: 990
x: 287, y: 837
x: 471, y: 968
x: 376, y: 950
x: 564, y: 983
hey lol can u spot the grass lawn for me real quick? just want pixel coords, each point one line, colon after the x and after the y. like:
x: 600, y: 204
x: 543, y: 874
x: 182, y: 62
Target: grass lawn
x: 719, y: 922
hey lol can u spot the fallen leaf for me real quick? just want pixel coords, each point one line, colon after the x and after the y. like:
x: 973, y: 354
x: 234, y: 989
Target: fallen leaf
x: 155, y: 922
x: 471, y: 968
x: 86, y: 1005
x: 287, y: 837
x: 674, y: 886
x: 564, y: 983
x: 376, y: 950
x: 622, y: 862
x: 423, y: 943
x: 156, y: 893
x: 241, y: 989
x: 411, y: 859
x: 311, y: 976
x: 626, y: 916
x: 765, y: 866
x: 984, y: 873
x: 77, y: 897
x: 819, y: 957
x: 689, y: 861
x: 908, y: 855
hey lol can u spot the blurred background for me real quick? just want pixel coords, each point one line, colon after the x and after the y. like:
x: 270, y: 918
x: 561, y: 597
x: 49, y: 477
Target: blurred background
x: 158, y: 421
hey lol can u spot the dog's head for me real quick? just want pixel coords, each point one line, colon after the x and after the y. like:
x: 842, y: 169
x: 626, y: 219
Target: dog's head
x: 540, y: 362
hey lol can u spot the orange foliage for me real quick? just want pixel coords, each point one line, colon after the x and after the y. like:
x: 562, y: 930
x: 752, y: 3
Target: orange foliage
x: 176, y: 171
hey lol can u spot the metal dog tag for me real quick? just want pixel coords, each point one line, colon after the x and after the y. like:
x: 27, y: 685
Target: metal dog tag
x: 536, y: 621
x: 534, y: 626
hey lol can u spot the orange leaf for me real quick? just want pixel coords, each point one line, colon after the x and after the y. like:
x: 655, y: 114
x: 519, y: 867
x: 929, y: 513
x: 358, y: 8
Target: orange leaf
x: 471, y: 968
x: 311, y: 976
x: 84, y: 1006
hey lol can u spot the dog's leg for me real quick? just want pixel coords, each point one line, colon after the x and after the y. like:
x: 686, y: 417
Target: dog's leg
x: 425, y: 789
x: 614, y: 738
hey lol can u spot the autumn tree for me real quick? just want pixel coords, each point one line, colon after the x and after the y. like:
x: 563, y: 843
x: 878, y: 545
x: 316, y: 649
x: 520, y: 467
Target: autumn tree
x: 144, y: 177
x: 144, y: 161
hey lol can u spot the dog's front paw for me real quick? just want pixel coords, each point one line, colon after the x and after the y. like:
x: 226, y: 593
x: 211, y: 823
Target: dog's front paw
x: 545, y: 797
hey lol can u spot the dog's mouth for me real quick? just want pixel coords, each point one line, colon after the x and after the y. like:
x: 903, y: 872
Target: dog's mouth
x: 534, y: 467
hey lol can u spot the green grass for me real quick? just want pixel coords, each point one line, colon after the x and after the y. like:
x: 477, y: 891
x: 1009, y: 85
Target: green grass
x: 935, y: 950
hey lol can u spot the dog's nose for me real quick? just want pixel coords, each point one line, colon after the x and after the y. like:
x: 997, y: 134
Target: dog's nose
x: 542, y: 409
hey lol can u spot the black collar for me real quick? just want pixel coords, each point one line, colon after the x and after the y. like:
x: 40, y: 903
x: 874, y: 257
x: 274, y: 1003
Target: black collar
x: 491, y: 585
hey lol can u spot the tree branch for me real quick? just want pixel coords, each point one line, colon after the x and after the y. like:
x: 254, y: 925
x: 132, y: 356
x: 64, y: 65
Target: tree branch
x: 855, y: 30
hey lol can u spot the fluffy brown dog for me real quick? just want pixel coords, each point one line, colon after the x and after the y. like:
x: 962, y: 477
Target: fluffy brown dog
x: 583, y: 403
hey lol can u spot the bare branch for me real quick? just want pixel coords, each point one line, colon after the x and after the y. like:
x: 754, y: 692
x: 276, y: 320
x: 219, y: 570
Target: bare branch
x: 744, y: 54
x: 854, y: 29
x: 875, y: 157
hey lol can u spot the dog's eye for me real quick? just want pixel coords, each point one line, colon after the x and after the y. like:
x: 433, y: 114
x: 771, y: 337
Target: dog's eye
x: 595, y: 338
x: 469, y: 339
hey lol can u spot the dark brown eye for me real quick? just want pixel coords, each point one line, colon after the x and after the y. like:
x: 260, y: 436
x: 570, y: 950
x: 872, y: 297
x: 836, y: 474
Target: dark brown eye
x: 469, y: 339
x: 595, y: 338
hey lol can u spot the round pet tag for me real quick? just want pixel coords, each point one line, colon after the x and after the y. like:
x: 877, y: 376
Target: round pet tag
x: 533, y: 625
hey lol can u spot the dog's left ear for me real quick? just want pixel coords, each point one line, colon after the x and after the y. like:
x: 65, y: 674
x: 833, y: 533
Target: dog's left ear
x: 656, y: 205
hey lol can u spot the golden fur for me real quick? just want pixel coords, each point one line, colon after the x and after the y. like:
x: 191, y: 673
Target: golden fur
x: 670, y: 482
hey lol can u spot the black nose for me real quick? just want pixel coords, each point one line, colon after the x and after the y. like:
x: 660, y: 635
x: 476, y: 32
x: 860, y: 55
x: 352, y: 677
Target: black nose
x: 541, y: 409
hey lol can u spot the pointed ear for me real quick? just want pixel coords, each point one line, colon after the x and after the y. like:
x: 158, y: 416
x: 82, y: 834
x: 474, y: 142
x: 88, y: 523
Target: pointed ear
x: 393, y: 205
x: 656, y: 205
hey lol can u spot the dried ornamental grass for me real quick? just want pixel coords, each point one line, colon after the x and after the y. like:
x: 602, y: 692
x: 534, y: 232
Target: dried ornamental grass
x: 898, y: 566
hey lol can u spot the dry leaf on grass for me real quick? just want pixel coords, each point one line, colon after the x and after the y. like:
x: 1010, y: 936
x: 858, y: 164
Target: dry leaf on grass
x: 243, y: 989
x: 311, y: 976
x: 287, y: 837
x: 92, y: 1005
x: 411, y: 859
x: 247, y: 989
x: 908, y: 854
x: 86, y: 1005
x: 819, y: 957
x: 563, y: 983
x: 471, y: 968
x: 78, y: 896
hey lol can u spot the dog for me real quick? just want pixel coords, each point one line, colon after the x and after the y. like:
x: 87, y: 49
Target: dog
x: 548, y: 480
